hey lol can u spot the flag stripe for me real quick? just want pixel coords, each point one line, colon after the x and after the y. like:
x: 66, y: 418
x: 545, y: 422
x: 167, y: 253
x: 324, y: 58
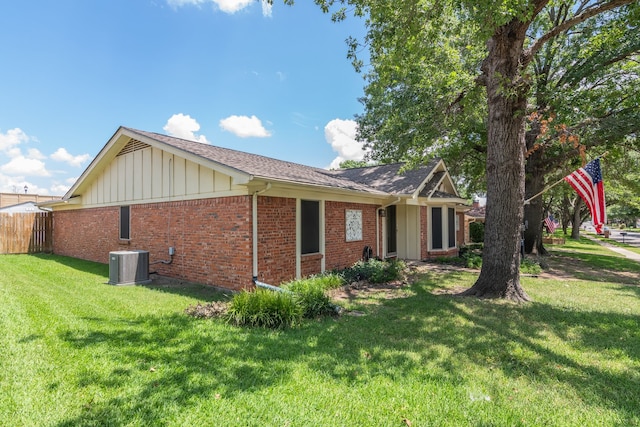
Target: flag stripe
x: 588, y: 184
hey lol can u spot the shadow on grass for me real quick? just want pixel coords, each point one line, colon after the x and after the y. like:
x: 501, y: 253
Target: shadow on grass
x: 598, y: 267
x: 162, y: 364
x: 77, y: 264
x: 158, y: 283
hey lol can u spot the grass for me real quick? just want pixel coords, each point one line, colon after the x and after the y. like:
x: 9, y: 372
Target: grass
x: 75, y: 351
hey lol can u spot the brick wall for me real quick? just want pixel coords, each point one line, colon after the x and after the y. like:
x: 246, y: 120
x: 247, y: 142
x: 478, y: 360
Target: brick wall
x: 340, y: 253
x: 212, y: 237
x: 276, y: 239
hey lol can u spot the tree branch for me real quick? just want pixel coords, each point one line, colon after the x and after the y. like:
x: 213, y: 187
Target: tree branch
x: 528, y: 54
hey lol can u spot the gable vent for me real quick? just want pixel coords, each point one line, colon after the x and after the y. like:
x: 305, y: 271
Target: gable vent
x: 133, y: 145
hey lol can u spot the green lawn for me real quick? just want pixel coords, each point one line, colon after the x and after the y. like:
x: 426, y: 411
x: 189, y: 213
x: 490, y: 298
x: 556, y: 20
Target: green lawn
x: 76, y: 351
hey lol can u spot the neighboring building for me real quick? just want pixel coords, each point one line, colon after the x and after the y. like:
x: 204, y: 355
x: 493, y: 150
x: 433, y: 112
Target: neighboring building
x: 26, y: 207
x: 227, y: 217
x: 475, y: 214
x: 10, y: 199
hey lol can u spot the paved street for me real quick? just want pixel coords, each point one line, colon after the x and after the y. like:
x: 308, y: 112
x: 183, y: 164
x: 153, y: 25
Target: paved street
x: 630, y: 238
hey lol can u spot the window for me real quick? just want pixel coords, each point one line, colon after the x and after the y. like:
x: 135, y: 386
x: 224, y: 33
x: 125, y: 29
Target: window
x: 392, y: 235
x: 452, y: 227
x: 125, y: 223
x: 436, y: 228
x: 310, y: 226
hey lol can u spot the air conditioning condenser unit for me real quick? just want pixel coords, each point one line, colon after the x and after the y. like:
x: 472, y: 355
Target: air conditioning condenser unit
x: 128, y: 267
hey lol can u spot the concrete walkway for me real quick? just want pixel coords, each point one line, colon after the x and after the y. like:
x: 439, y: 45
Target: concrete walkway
x: 622, y: 251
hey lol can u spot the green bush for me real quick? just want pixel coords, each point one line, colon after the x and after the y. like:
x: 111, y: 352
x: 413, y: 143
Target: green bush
x: 327, y: 280
x: 375, y: 271
x: 472, y: 260
x: 310, y: 294
x: 476, y: 232
x: 264, y: 308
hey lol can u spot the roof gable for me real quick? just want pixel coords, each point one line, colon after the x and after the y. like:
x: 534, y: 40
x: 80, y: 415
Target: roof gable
x: 242, y: 167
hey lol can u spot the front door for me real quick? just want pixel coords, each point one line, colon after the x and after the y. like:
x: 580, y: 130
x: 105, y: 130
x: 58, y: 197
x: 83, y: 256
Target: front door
x: 392, y: 230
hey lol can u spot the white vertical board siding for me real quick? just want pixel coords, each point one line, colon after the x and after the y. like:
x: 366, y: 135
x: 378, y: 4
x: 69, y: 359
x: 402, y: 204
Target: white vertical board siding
x: 153, y: 175
x: 206, y: 180
x: 138, y: 173
x: 179, y: 176
x: 192, y: 178
x: 167, y: 176
x: 121, y: 178
x: 156, y: 173
x: 147, y: 189
x: 222, y: 182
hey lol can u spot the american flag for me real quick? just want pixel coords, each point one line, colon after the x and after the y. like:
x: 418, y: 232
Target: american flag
x: 587, y: 181
x: 551, y: 224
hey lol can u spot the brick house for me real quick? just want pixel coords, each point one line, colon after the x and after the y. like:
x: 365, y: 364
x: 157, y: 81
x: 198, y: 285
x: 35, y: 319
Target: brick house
x: 230, y: 216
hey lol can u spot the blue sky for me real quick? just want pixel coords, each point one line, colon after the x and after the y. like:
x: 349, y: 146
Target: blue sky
x: 232, y: 73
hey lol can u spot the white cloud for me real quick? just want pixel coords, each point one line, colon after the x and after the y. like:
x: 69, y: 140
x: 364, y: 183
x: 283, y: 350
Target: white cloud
x: 10, y: 140
x: 244, y: 126
x: 341, y: 135
x: 62, y: 155
x: 34, y: 153
x: 22, y: 166
x: 184, y: 126
x: 226, y: 6
x: 59, y: 189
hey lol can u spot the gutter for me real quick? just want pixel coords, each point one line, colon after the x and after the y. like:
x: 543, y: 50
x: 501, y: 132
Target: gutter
x: 254, y: 224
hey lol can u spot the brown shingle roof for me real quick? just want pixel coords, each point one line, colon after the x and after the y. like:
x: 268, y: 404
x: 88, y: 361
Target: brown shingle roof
x: 260, y: 166
x: 388, y: 178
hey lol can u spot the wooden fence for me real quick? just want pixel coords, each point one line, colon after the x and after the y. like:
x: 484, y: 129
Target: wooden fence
x: 26, y: 233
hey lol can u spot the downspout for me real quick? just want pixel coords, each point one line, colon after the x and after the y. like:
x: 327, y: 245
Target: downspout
x: 254, y: 223
x: 380, y: 209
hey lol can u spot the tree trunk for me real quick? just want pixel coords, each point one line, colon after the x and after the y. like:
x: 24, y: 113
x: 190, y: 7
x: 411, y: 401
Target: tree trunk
x: 506, y: 95
x: 565, y: 213
x: 534, y: 210
x: 577, y: 219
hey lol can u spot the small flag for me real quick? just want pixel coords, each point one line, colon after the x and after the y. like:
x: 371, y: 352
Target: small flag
x: 587, y: 181
x: 551, y: 224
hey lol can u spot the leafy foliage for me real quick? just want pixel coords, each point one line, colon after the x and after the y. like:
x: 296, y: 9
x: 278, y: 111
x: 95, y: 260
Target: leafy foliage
x: 476, y: 232
x: 310, y: 294
x: 264, y: 308
x: 375, y: 271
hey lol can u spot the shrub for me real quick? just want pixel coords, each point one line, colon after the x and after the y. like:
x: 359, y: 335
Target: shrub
x: 328, y: 280
x: 472, y: 260
x: 476, y: 232
x: 375, y: 271
x: 264, y: 308
x: 310, y: 294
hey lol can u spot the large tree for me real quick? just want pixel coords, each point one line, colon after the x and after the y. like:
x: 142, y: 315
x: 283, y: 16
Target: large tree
x: 584, y: 99
x: 469, y: 57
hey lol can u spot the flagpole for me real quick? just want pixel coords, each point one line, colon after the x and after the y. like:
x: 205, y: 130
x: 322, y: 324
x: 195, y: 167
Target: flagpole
x: 526, y: 202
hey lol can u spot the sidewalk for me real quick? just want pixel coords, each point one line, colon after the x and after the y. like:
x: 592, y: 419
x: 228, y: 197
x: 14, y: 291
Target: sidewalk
x: 622, y: 251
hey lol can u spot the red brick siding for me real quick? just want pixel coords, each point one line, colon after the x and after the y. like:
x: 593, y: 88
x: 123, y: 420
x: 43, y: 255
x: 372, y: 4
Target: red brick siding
x: 276, y: 239
x: 212, y: 237
x: 340, y: 253
x: 310, y: 264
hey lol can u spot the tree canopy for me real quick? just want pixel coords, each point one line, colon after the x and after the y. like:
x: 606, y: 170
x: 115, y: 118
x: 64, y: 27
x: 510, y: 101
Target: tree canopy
x: 459, y: 77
